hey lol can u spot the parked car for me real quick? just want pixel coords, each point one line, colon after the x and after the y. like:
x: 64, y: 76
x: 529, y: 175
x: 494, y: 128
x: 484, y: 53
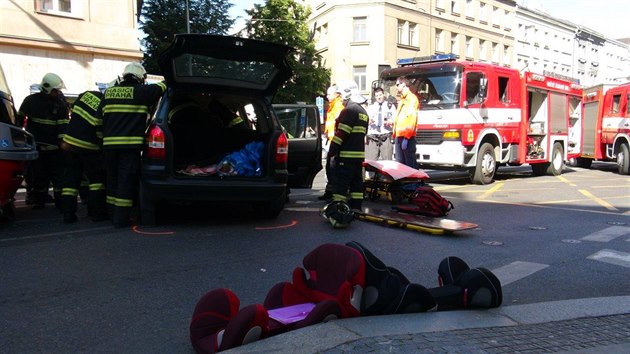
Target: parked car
x: 215, y: 135
x: 302, y: 125
x: 16, y: 147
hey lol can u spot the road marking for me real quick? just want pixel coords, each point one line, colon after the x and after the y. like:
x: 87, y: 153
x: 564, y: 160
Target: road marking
x: 491, y: 190
x: 607, y: 234
x: 517, y: 271
x: 597, y: 200
x: 563, y: 179
x: 612, y: 257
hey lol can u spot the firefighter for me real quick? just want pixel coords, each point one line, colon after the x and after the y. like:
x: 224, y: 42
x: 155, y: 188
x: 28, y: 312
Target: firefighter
x: 48, y: 116
x: 347, y: 152
x: 82, y: 156
x: 125, y: 109
x: 405, y: 123
x: 335, y: 106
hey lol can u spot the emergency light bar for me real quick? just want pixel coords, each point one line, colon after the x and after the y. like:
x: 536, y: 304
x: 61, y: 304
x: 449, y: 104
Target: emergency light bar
x: 426, y: 59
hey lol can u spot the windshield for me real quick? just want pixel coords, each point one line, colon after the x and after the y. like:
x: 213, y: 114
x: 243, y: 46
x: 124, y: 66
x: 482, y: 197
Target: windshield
x: 435, y: 90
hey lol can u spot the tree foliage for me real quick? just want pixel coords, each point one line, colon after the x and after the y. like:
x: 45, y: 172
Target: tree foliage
x: 162, y: 19
x: 285, y: 22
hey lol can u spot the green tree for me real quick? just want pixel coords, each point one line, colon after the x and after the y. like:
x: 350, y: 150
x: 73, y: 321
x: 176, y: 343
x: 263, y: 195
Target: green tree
x: 285, y: 22
x: 162, y: 19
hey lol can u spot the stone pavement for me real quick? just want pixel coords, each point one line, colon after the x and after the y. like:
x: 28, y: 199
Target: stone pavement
x: 595, y: 325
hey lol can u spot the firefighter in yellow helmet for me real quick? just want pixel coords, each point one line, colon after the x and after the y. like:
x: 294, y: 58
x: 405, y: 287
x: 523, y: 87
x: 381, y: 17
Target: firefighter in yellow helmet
x: 46, y: 114
x: 124, y: 110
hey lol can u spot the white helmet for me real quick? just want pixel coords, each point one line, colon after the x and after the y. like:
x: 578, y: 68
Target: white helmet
x: 51, y: 82
x: 350, y: 91
x: 332, y: 89
x: 136, y: 70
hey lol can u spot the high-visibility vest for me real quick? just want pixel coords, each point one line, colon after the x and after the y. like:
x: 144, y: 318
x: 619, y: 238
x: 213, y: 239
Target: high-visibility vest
x: 407, y: 116
x: 335, y: 107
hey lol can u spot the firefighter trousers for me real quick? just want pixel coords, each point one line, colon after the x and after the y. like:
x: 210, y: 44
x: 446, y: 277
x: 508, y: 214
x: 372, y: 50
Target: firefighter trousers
x: 90, y: 165
x: 348, y: 178
x: 123, y: 178
x: 46, y: 169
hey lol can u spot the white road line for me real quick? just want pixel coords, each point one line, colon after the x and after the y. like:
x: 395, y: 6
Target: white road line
x: 612, y: 257
x: 607, y: 234
x: 517, y: 271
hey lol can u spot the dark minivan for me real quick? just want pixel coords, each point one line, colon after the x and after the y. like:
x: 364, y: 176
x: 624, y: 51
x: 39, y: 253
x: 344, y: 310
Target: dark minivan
x: 214, y: 135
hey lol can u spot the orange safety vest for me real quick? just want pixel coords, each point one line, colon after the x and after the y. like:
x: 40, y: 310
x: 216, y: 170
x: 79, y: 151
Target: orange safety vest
x: 335, y: 107
x: 406, y: 116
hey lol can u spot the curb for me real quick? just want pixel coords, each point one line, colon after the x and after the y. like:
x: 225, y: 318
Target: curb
x: 328, y: 335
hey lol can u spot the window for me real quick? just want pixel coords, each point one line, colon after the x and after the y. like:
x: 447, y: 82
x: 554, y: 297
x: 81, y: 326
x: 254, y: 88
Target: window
x: 615, y: 103
x: 439, y: 40
x: 454, y: 43
x: 504, y: 92
x: 56, y: 5
x: 470, y: 10
x: 469, y: 47
x: 496, y: 17
x: 454, y: 7
x: 473, y: 87
x: 59, y: 7
x: 628, y: 105
x: 359, y: 26
x: 360, y: 77
x: 407, y: 33
x: 483, y: 13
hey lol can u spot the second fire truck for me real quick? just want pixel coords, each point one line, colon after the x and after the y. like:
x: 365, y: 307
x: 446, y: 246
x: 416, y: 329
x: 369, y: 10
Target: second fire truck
x: 607, y: 126
x: 477, y: 116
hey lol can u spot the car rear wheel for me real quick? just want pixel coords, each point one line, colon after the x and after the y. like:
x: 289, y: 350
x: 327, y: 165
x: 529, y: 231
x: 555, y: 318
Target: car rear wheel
x: 270, y: 209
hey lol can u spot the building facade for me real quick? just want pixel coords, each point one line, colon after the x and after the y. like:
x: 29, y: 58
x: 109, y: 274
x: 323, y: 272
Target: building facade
x: 84, y: 42
x: 359, y: 38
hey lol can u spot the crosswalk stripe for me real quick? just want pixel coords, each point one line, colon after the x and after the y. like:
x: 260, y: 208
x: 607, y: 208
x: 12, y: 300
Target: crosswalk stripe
x: 607, y: 234
x: 612, y: 257
x: 516, y: 271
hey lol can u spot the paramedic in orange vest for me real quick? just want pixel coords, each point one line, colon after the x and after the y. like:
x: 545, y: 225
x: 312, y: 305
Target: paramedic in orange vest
x: 404, y: 131
x: 335, y: 106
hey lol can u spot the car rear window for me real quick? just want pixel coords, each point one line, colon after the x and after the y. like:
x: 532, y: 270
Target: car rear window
x: 198, y: 68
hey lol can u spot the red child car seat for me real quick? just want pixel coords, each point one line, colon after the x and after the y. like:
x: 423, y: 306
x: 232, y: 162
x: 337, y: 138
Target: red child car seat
x: 331, y: 272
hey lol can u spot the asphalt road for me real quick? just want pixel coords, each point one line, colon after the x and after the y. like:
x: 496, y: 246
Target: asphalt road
x: 88, y: 287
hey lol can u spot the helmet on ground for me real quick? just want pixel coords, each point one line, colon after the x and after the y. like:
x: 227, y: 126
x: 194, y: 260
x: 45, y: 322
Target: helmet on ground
x: 51, y: 82
x: 136, y: 70
x: 350, y: 91
x: 338, y: 213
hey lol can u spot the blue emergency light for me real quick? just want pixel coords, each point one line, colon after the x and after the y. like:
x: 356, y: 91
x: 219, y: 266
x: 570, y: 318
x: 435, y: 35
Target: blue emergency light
x: 427, y: 59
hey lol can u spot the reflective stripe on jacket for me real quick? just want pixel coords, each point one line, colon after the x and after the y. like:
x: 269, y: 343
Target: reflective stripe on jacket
x: 84, y: 129
x: 125, y: 110
x: 349, y: 140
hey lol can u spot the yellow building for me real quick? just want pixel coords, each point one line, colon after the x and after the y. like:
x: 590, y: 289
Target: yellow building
x: 84, y: 42
x: 359, y: 38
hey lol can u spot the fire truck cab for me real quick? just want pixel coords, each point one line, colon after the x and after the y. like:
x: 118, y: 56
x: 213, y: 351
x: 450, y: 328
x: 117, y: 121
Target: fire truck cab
x: 607, y: 126
x: 477, y: 116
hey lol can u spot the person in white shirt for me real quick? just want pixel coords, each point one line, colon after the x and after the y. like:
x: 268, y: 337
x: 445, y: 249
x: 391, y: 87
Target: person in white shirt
x: 378, y: 144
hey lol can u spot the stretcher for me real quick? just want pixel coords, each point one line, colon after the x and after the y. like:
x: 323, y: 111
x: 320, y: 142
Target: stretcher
x: 391, y: 179
x: 426, y: 224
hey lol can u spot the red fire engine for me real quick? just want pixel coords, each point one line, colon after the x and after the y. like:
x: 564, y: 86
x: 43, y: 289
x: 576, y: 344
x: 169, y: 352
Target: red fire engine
x: 607, y: 126
x: 477, y: 116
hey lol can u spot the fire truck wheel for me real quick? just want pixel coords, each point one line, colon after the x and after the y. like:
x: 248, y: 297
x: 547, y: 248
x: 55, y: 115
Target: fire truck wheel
x: 623, y: 159
x: 557, y: 161
x: 486, y: 165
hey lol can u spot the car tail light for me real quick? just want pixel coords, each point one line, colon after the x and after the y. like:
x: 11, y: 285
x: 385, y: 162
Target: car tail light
x: 156, y: 148
x: 282, y: 149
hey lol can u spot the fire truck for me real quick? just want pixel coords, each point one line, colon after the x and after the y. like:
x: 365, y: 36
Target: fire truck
x: 606, y: 126
x: 477, y: 116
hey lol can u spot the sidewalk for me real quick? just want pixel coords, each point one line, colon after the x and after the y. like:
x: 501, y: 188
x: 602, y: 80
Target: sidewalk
x: 594, y: 325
